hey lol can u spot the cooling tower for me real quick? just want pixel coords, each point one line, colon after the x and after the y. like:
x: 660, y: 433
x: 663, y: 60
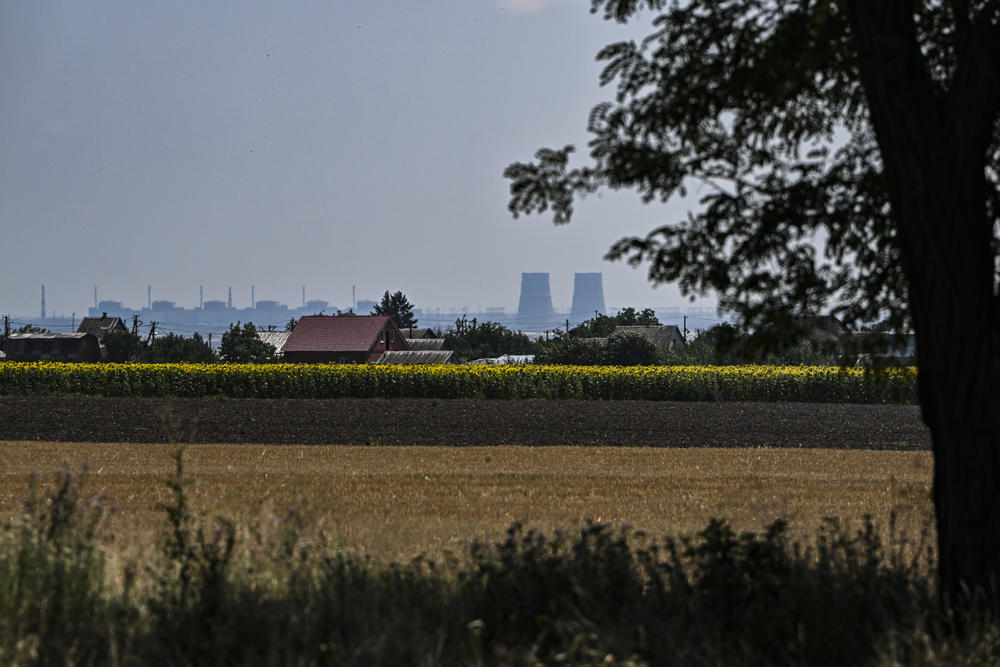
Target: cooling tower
x: 588, y: 296
x: 534, y: 309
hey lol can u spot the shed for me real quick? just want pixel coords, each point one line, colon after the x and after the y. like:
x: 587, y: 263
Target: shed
x: 353, y: 339
x: 664, y: 337
x: 52, y: 347
x: 411, y: 357
x: 99, y: 326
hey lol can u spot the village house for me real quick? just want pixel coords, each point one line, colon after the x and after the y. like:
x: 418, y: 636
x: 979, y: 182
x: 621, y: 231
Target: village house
x: 350, y: 339
x: 99, y: 326
x: 52, y: 347
x: 664, y: 337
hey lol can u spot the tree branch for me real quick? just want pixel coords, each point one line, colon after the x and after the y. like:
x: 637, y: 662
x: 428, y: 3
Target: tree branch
x: 975, y: 91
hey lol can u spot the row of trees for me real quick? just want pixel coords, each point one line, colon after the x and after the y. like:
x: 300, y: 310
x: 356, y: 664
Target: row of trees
x: 239, y: 344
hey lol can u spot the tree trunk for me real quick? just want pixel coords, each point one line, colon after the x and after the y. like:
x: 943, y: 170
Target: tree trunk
x: 934, y: 140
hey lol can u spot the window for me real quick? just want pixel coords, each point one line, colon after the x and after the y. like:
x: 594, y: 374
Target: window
x: 381, y: 336
x: 392, y: 336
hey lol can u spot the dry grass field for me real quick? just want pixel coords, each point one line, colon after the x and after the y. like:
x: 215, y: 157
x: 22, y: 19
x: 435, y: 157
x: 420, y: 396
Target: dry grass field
x: 396, y: 502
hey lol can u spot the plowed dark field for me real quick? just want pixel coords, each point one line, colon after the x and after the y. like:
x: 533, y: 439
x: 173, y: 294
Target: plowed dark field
x: 463, y: 422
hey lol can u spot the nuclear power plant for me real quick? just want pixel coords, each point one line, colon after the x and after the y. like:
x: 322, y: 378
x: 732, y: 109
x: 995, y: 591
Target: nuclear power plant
x: 588, y: 296
x: 535, y: 311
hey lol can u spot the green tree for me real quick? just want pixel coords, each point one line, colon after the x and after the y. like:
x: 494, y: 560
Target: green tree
x: 242, y: 345
x: 290, y: 324
x: 865, y: 129
x: 174, y: 348
x: 121, y: 346
x: 471, y: 339
x: 625, y: 348
x: 397, y: 307
x: 572, y: 351
x: 602, y: 326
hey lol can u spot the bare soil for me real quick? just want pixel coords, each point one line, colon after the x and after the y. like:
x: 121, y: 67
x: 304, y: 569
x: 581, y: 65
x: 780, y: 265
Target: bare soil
x: 462, y: 422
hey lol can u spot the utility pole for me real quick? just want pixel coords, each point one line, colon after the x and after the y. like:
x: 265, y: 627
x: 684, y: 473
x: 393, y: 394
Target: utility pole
x: 567, y: 328
x: 74, y: 321
x: 135, y: 325
x: 152, y: 333
x: 685, y: 328
x: 6, y: 326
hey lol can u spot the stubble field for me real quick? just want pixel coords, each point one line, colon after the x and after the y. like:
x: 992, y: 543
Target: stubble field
x: 396, y: 502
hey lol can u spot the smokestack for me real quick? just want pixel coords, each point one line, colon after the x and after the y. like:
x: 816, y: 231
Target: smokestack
x: 149, y: 297
x: 201, y: 297
x: 43, y: 302
x: 354, y: 297
x: 95, y: 296
x: 303, y: 296
x: 229, y: 301
x: 253, y: 300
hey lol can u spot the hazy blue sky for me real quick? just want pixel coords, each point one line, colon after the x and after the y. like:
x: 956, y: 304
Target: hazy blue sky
x: 327, y: 143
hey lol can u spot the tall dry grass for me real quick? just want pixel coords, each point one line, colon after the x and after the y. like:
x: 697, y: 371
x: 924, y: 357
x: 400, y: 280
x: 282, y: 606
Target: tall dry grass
x: 211, y: 590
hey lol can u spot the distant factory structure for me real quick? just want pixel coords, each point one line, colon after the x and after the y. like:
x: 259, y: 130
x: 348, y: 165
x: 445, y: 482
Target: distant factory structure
x: 535, y: 314
x: 209, y: 315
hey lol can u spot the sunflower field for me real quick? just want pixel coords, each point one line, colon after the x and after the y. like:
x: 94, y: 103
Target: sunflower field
x: 657, y: 383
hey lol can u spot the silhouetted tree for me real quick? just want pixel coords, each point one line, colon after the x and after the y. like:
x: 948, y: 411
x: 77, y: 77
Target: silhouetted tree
x: 868, y: 128
x: 397, y: 307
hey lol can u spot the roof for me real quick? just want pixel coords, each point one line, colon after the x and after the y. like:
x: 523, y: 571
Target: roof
x: 100, y: 325
x: 426, y: 344
x: 275, y: 338
x: 49, y: 336
x: 413, y: 332
x: 329, y: 333
x: 663, y: 335
x: 418, y: 357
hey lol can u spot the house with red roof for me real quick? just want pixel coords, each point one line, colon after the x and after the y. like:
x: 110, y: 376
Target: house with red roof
x: 350, y: 339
